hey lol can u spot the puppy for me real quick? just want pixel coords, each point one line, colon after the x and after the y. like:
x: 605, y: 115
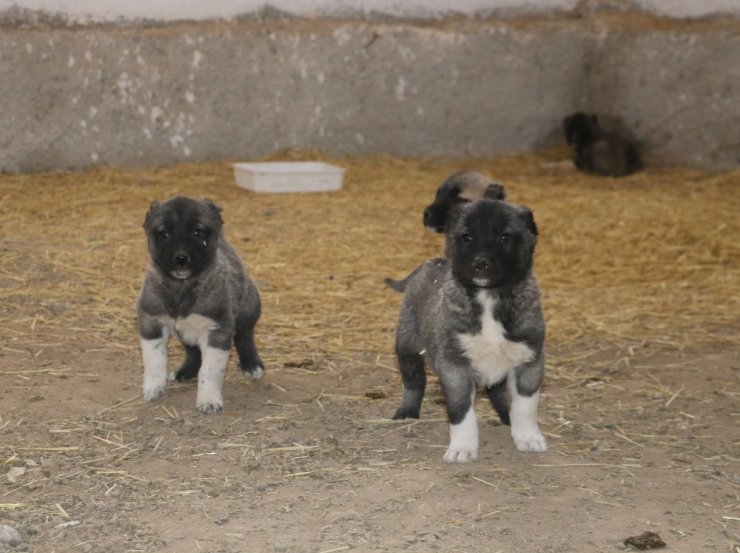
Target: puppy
x: 597, y: 151
x: 475, y: 319
x: 196, y: 289
x: 466, y: 186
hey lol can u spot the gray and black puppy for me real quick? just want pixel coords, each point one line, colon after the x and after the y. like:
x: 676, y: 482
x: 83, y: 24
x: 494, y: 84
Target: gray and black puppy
x: 475, y: 319
x: 466, y: 186
x: 606, y: 153
x: 196, y: 289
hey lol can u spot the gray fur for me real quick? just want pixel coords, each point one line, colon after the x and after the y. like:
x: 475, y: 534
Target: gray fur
x: 443, y: 304
x: 197, y: 289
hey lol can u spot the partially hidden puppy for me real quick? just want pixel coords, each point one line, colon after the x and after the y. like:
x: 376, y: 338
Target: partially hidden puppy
x: 598, y: 151
x: 196, y: 289
x: 460, y: 188
x: 466, y: 186
x: 475, y: 319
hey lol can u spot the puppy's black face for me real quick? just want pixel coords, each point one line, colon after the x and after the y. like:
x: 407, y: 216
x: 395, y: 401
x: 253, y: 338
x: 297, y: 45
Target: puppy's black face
x: 183, y: 236
x: 490, y: 244
x: 580, y: 129
x: 452, y: 193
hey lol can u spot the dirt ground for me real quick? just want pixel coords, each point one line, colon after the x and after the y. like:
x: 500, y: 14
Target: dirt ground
x: 641, y: 288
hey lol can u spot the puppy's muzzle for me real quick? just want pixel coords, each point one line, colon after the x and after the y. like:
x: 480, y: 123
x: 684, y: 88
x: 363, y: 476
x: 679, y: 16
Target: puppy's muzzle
x: 182, y: 266
x: 431, y: 220
x: 483, y: 274
x: 481, y: 264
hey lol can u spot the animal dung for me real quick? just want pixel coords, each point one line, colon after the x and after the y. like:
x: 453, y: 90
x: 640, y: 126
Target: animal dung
x: 646, y: 540
x: 288, y: 176
x: 376, y: 393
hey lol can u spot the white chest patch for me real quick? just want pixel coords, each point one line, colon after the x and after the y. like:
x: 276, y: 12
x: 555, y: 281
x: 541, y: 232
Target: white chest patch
x: 491, y: 355
x: 192, y: 330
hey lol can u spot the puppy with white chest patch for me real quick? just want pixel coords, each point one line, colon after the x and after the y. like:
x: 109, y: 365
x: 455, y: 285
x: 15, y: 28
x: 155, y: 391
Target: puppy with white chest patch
x: 475, y: 319
x: 196, y: 289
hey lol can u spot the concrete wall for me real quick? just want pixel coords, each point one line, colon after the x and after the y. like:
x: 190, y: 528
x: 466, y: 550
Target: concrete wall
x: 172, y: 10
x: 142, y: 95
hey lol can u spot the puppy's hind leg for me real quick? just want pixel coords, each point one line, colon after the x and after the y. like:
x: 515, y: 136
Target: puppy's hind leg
x: 499, y: 396
x: 249, y: 359
x: 414, y: 382
x: 190, y: 367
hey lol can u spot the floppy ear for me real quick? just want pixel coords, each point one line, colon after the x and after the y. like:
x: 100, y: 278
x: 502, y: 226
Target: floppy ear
x: 528, y: 217
x: 495, y: 191
x: 214, y: 210
x: 149, y: 214
x: 453, y: 191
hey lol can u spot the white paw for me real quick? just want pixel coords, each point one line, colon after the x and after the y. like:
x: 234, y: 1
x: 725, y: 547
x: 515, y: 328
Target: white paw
x: 255, y: 374
x: 209, y: 401
x: 153, y: 390
x: 463, y: 439
x: 455, y: 455
x: 531, y: 441
x: 209, y: 408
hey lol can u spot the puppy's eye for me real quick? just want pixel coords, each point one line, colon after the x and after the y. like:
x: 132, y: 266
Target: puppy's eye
x: 162, y: 234
x: 467, y: 238
x: 199, y: 233
x: 504, y: 238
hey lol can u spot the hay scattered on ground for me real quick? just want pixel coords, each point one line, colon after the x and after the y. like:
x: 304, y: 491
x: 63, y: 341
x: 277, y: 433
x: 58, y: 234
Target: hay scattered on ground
x: 631, y: 270
x: 649, y: 259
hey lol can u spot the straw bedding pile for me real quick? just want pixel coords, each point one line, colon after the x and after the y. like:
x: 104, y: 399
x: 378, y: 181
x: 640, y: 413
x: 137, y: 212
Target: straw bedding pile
x: 649, y: 259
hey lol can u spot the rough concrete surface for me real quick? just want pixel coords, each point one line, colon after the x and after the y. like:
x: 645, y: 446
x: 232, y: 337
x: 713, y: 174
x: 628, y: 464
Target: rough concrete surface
x: 138, y: 95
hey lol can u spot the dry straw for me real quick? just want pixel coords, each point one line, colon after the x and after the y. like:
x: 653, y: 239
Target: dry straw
x: 651, y: 259
x: 649, y: 262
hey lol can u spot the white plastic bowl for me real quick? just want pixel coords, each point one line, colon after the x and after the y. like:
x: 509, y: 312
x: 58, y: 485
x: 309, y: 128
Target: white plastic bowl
x: 288, y: 176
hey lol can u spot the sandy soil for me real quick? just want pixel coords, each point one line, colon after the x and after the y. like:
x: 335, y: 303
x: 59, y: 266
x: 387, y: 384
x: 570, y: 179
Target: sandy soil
x: 643, y: 434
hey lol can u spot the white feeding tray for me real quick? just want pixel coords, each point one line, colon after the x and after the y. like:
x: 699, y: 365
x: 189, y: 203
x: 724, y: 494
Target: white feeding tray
x: 288, y: 176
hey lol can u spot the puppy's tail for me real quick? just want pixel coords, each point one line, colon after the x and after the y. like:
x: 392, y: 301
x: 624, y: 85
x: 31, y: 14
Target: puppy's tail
x: 400, y: 285
x: 397, y: 285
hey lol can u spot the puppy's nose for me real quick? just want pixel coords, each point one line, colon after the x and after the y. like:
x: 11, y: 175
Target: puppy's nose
x: 481, y: 264
x: 182, y: 260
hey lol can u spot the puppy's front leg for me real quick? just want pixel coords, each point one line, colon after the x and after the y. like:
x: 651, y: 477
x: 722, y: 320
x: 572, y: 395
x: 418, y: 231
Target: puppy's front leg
x: 215, y: 356
x: 459, y: 391
x: 154, y: 338
x: 523, y: 413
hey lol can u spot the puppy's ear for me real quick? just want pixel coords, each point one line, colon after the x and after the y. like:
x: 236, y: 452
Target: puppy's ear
x: 495, y: 191
x: 528, y: 218
x: 149, y: 214
x: 214, y: 210
x: 453, y: 191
